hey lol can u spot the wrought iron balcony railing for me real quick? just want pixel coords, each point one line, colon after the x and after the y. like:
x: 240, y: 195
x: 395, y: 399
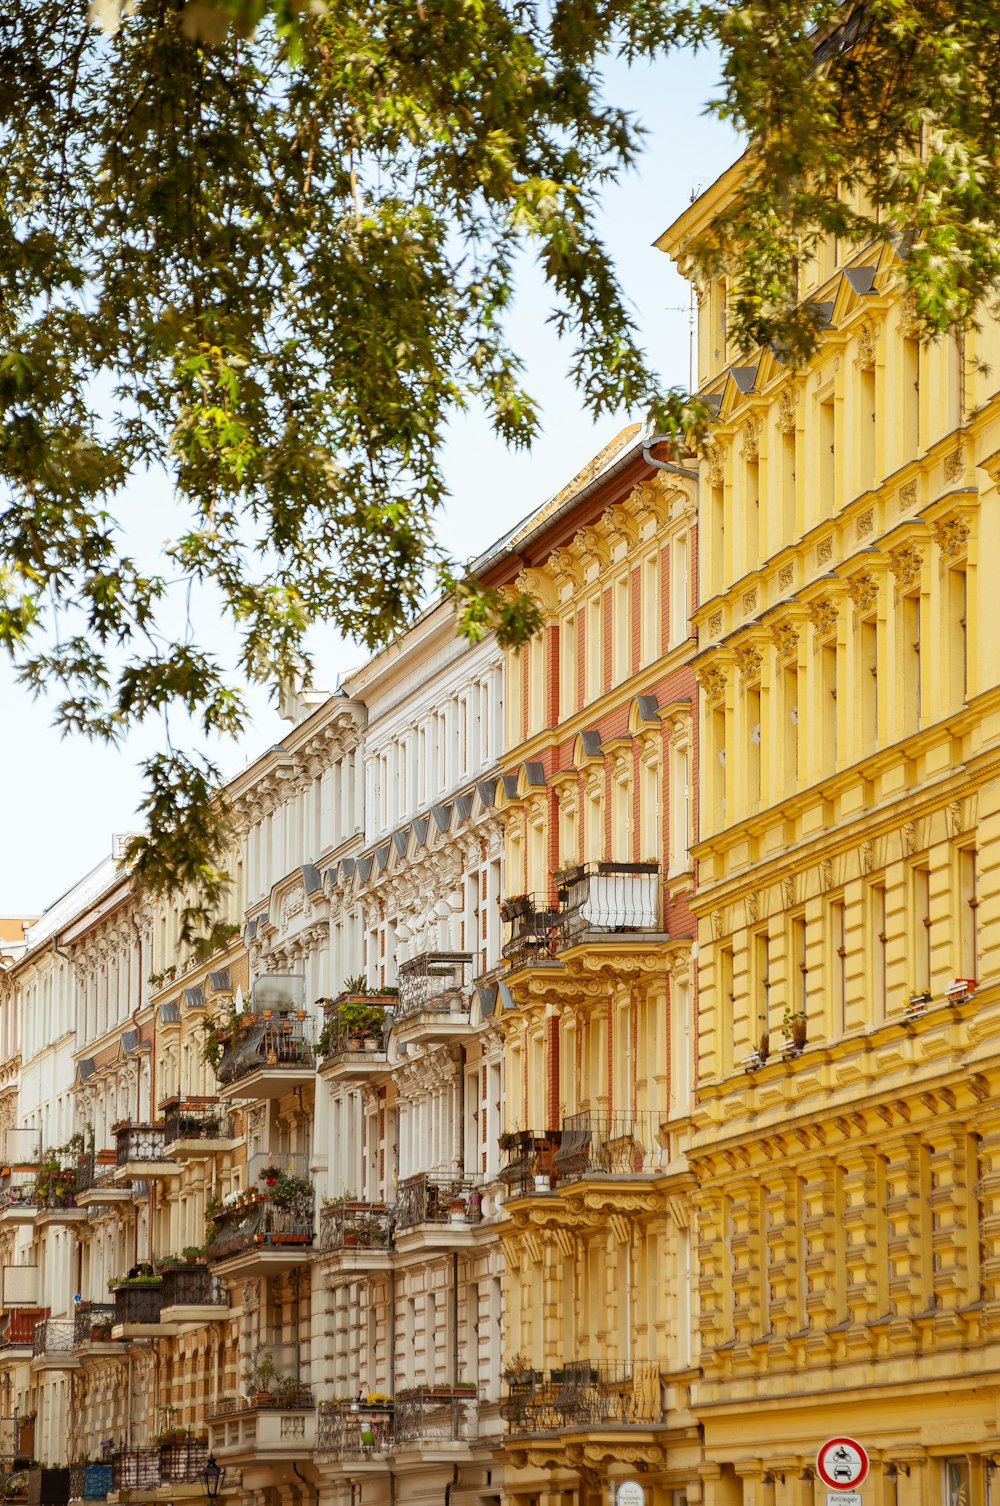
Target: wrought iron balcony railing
x: 436, y: 1414
x: 18, y: 1187
x: 354, y: 1022
x: 434, y: 983
x: 257, y: 1220
x: 96, y: 1169
x: 177, y: 1463
x: 192, y: 1286
x: 53, y: 1336
x: 194, y: 1120
x: 529, y: 1160
x: 92, y: 1322
x: 255, y: 1043
x: 139, y: 1300
x: 583, y: 1395
x: 534, y: 930
x: 423, y: 1199
x: 89, y: 1482
x: 139, y: 1142
x: 355, y: 1429
x: 350, y: 1225
x: 615, y: 1145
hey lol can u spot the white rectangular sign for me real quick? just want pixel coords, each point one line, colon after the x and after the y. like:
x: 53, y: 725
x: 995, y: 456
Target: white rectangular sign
x: 843, y: 1498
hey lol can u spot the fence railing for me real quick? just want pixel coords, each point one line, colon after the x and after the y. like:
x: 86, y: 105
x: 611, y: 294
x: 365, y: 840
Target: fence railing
x: 350, y: 1225
x: 582, y: 1395
x: 255, y: 1043
x: 423, y: 1199
x: 89, y: 1482
x: 436, y: 1414
x: 139, y: 1302
x: 610, y: 897
x: 19, y: 1328
x: 594, y: 1144
x: 96, y: 1169
x: 534, y: 930
x: 196, y: 1121
x: 257, y: 1221
x: 529, y: 1155
x: 92, y: 1322
x: 53, y: 1336
x: 177, y: 1463
x: 140, y: 1142
x: 353, y: 1429
x: 434, y: 983
x: 192, y: 1286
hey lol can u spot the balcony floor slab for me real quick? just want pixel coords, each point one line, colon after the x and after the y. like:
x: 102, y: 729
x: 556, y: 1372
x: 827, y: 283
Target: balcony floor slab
x: 269, y: 1082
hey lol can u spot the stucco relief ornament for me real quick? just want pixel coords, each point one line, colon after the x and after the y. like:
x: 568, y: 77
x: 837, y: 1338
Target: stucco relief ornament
x: 562, y: 564
x: 824, y: 551
x: 715, y: 625
x: 908, y: 494
x: 863, y: 590
x: 751, y: 439
x: 753, y: 907
x: 954, y: 464
x: 712, y: 679
x: 714, y: 458
x: 786, y: 410
x: 717, y: 924
x: 867, y: 857
x: 866, y: 523
x: 905, y: 564
x: 788, y: 890
x: 909, y: 837
x: 866, y: 347
x: 750, y: 600
x: 785, y: 638
x: 826, y: 873
x: 950, y: 536
x: 823, y: 615
x: 786, y: 577
x: 955, y: 817
x: 748, y: 661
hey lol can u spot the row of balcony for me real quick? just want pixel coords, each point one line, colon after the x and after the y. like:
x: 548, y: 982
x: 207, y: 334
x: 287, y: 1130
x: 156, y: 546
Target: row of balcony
x: 589, y: 1145
x: 592, y: 900
x: 421, y: 1200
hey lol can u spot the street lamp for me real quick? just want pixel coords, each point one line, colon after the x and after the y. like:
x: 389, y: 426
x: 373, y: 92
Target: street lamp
x: 211, y: 1478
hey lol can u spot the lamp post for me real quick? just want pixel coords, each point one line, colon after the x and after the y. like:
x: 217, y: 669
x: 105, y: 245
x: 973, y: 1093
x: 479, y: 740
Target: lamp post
x: 211, y: 1478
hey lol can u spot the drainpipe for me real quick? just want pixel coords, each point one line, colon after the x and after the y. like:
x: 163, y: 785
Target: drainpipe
x: 664, y: 465
x: 463, y: 1057
x: 451, y: 1485
x: 392, y: 1333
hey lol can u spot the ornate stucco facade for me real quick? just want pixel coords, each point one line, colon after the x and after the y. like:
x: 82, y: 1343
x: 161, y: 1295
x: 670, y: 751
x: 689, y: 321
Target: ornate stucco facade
x: 599, y: 763
x: 845, y: 1142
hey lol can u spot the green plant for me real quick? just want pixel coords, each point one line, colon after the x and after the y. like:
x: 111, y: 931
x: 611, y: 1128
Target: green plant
x: 356, y: 984
x: 192, y: 1250
x: 358, y: 1018
x: 260, y: 1374
x: 292, y: 1194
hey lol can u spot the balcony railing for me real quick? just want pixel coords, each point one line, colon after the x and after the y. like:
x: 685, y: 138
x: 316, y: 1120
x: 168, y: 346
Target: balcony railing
x: 19, y: 1329
x: 258, y: 1220
x: 436, y: 1414
x: 53, y: 1336
x: 255, y: 1043
x: 92, y: 1322
x: 350, y: 1225
x: 354, y: 1022
x: 529, y: 1161
x: 434, y: 983
x: 193, y: 1120
x: 89, y: 1482
x: 583, y: 1395
x: 96, y: 1169
x: 609, y: 897
x: 422, y: 1199
x: 139, y: 1301
x: 178, y: 1463
x: 354, y: 1429
x: 534, y: 930
x: 139, y: 1142
x: 615, y: 1145
x: 18, y: 1188
x: 192, y: 1286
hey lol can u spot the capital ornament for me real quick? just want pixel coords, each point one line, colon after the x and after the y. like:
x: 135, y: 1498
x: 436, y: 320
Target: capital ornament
x: 863, y: 590
x: 785, y: 638
x: 714, y: 457
x: 905, y: 564
x: 823, y: 615
x: 950, y: 536
x: 712, y: 679
x: 748, y: 661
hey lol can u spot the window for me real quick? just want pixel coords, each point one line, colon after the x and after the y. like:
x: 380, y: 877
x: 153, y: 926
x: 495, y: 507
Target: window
x: 567, y: 665
x: 957, y: 635
x: 790, y: 725
x: 680, y: 809
x: 679, y: 589
x: 954, y: 1482
x: 828, y: 704
x: 827, y: 456
x: 594, y: 649
x: 718, y: 513
x: 788, y: 485
x: 909, y: 373
x: 536, y: 683
x: 798, y: 968
x: 910, y: 656
x: 760, y: 962
x: 866, y: 428
x: 753, y: 746
x: 878, y: 948
x: 920, y: 879
x: 725, y: 1006
x: 621, y: 645
x: 868, y: 633
x: 594, y: 830
x: 719, y: 764
x: 621, y: 822
x: 650, y: 607
x: 650, y: 812
x: 969, y: 908
x: 751, y: 509
x: 837, y: 928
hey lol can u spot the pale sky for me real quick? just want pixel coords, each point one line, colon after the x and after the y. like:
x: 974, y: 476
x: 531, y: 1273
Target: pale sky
x: 63, y: 798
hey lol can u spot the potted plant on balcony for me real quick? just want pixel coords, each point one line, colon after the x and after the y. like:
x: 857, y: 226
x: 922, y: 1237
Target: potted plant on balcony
x: 517, y: 904
x: 269, y: 1176
x: 260, y: 1377
x: 917, y: 1000
x: 794, y: 1027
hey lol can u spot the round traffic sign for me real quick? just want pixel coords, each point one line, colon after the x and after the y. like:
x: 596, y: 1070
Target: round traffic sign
x: 842, y: 1464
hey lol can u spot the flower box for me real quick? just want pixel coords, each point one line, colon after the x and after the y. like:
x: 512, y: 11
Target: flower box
x: 959, y: 989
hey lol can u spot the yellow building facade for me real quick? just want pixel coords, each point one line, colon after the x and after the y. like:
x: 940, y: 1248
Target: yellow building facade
x: 846, y: 1137
x: 598, y: 987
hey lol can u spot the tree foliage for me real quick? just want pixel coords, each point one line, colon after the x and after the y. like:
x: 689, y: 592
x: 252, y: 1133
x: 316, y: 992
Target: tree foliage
x: 269, y: 248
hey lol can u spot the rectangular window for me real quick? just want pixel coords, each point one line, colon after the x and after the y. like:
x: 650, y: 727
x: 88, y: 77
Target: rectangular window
x: 957, y: 634
x: 719, y: 537
x: 909, y: 374
x: 679, y: 589
x: 838, y: 963
x: 798, y: 979
x: 621, y: 632
x: 621, y: 813
x: 650, y: 609
x: 536, y: 684
x: 760, y: 944
x: 751, y: 511
x: 955, y: 1482
x: 866, y: 429
x: 753, y: 747
x: 680, y: 810
x: 868, y: 631
x: 725, y: 1007
x: 650, y: 796
x: 878, y: 949
x: 790, y: 725
x: 788, y: 485
x: 910, y: 655
x: 921, y: 901
x: 969, y: 908
x: 594, y: 649
x: 827, y: 457
x: 719, y: 764
x: 828, y: 705
x: 567, y: 665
